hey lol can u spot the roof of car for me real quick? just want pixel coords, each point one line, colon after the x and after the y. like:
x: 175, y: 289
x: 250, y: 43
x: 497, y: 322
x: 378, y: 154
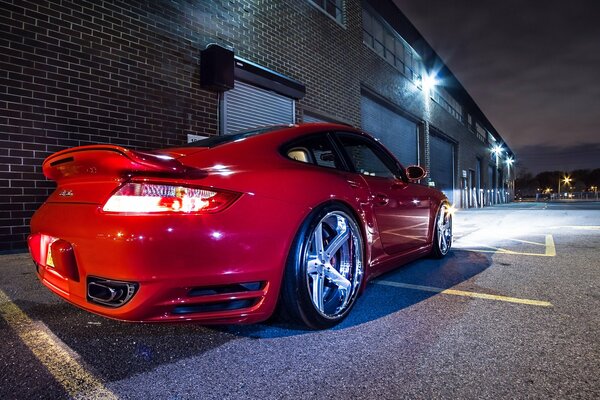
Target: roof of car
x: 214, y: 141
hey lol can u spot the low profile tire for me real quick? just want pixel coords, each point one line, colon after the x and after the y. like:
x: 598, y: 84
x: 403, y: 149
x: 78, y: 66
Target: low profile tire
x: 442, y: 232
x: 324, y: 270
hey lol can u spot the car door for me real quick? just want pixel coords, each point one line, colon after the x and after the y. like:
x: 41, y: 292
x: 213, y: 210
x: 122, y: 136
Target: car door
x: 402, y: 209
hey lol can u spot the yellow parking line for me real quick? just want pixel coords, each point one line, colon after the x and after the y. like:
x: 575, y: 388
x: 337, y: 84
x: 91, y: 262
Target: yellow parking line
x: 73, y: 377
x: 549, y: 251
x: 579, y: 227
x: 454, y: 292
x: 550, y: 248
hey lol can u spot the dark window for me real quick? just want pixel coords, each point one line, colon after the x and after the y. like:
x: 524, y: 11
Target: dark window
x: 333, y: 8
x: 367, y: 158
x: 315, y: 150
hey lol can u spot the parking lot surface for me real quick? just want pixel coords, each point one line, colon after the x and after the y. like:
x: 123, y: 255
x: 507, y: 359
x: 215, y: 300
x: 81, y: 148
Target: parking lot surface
x: 512, y: 312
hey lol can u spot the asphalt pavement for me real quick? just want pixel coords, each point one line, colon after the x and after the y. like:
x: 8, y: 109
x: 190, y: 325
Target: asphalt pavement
x: 512, y: 312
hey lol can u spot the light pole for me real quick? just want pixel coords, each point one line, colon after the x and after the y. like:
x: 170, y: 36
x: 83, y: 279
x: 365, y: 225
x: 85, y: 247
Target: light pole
x: 497, y: 150
x: 566, y: 180
x: 509, y: 163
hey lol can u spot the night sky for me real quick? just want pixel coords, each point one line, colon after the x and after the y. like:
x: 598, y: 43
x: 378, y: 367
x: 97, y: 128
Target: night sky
x: 533, y: 67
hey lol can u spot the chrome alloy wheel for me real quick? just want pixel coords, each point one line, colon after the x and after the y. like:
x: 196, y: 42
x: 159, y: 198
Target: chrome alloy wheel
x: 443, y: 226
x: 334, y: 267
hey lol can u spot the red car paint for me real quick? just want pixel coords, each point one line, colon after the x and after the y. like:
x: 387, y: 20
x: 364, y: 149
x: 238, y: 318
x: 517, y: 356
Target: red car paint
x: 176, y: 259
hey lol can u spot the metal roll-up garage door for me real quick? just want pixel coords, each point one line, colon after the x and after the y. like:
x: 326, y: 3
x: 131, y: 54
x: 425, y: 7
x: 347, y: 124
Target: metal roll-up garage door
x: 397, y: 133
x: 442, y: 165
x: 248, y: 106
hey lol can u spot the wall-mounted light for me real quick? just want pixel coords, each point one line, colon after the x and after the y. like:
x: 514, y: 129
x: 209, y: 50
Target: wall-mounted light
x: 428, y: 82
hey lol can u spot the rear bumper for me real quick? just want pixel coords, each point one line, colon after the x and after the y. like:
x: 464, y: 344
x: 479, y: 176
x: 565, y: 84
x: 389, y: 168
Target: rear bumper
x: 219, y: 268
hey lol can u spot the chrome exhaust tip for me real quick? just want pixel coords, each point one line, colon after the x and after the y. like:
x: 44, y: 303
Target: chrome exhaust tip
x: 110, y: 293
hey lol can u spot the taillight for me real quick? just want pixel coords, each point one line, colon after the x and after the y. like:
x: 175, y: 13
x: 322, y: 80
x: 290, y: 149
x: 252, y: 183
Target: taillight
x: 154, y: 198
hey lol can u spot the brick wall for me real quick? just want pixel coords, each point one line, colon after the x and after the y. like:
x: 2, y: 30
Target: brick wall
x: 127, y: 72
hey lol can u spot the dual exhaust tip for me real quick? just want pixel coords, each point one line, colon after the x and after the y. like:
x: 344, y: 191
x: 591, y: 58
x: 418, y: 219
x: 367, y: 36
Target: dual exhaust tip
x: 110, y: 293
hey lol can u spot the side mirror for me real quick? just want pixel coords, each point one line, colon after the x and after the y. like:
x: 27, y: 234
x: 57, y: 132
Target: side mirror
x: 414, y: 173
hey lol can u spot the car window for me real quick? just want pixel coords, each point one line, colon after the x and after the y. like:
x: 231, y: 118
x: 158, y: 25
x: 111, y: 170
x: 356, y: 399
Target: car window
x: 315, y: 150
x: 366, y: 158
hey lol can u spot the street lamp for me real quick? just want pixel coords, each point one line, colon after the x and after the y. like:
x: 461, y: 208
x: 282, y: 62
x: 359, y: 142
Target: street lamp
x: 566, y: 179
x: 509, y: 162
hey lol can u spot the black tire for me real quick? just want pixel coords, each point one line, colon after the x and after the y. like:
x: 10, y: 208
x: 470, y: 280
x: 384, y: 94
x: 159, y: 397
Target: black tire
x: 442, y: 232
x: 318, y: 291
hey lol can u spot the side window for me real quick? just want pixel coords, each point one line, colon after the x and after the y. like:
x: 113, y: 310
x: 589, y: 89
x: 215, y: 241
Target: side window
x: 366, y: 158
x: 315, y: 150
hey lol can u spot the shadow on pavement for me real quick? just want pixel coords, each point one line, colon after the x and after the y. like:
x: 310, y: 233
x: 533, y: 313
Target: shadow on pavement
x: 377, y: 301
x: 116, y: 350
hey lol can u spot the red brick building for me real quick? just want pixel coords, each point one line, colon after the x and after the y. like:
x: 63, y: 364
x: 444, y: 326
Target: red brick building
x: 128, y: 73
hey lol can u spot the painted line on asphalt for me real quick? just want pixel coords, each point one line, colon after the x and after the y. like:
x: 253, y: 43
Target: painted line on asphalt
x: 578, y: 227
x: 58, y: 359
x: 463, y: 293
x: 549, y: 248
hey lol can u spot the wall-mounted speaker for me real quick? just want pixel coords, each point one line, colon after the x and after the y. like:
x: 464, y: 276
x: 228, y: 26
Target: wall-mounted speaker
x: 216, y: 68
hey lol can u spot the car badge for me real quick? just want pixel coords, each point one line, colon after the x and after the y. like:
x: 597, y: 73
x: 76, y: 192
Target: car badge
x: 66, y: 193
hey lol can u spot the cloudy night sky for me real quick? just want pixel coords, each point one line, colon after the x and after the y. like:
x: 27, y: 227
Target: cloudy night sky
x: 533, y: 67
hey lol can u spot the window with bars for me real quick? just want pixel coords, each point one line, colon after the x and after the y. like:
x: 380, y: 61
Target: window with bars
x: 333, y: 8
x: 382, y: 39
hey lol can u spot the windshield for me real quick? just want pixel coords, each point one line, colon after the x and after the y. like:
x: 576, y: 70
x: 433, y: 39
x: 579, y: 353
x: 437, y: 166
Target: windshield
x: 223, y: 139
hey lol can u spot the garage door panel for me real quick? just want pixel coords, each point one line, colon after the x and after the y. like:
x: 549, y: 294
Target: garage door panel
x: 442, y: 165
x: 248, y: 106
x: 397, y: 133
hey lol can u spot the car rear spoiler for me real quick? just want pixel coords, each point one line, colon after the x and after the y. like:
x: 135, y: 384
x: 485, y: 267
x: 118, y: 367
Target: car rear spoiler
x: 111, y: 162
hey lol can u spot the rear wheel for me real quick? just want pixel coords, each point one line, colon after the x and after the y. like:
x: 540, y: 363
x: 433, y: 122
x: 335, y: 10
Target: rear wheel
x: 325, y: 268
x: 442, y: 232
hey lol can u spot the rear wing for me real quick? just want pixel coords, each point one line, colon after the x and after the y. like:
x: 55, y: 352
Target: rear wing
x: 110, y: 162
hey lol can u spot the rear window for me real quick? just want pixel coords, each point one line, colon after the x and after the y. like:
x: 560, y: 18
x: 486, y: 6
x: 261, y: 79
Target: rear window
x: 223, y: 139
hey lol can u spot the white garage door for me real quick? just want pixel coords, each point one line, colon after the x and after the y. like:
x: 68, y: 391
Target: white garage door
x: 397, y: 133
x: 247, y: 106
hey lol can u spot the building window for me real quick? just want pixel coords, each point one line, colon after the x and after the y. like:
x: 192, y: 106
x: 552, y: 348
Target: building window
x: 444, y: 99
x: 480, y: 131
x: 333, y: 8
x: 386, y: 42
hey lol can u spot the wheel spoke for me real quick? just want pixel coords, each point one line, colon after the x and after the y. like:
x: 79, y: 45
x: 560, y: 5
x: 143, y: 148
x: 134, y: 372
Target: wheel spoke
x: 443, y: 243
x: 335, y: 245
x: 317, y: 291
x: 313, y: 266
x: 318, y: 242
x: 336, y: 278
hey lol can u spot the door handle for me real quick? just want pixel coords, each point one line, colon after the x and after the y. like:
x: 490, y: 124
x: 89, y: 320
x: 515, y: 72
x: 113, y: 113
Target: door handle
x: 380, y: 199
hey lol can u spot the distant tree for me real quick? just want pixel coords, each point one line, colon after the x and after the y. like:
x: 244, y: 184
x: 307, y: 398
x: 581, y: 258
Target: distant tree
x: 581, y: 177
x: 526, y: 185
x: 549, y: 179
x: 595, y: 177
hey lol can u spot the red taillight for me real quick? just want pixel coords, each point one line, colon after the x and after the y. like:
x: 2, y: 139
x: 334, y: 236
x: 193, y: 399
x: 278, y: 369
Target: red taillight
x: 154, y: 198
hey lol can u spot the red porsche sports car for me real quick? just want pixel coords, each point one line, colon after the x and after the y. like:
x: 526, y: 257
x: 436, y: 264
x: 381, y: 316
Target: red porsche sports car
x: 226, y: 229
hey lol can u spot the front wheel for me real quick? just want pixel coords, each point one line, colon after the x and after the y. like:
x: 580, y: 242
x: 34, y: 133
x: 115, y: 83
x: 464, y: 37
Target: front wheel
x: 325, y: 268
x: 442, y: 232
